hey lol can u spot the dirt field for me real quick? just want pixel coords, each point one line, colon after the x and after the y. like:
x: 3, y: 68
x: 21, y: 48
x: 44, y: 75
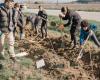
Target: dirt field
x: 87, y: 7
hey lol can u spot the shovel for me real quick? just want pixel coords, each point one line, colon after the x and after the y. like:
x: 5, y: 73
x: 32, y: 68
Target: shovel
x: 81, y: 51
x: 22, y: 54
x: 62, y: 28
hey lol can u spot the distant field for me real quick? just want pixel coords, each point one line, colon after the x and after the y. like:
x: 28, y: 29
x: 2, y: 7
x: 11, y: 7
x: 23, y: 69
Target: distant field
x: 79, y: 7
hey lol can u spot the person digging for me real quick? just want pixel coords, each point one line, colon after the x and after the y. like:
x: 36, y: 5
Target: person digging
x: 86, y: 32
x: 74, y: 20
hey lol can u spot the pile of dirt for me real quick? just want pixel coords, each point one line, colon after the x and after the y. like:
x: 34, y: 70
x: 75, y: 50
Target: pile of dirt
x: 60, y: 57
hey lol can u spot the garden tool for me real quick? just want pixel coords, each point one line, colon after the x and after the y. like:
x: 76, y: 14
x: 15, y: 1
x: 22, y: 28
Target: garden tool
x: 81, y: 51
x: 61, y: 27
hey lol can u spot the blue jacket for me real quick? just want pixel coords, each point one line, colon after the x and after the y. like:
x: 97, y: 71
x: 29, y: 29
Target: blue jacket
x: 84, y: 34
x: 1, y: 4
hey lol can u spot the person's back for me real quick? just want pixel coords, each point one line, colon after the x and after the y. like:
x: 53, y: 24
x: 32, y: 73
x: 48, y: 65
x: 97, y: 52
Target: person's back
x: 75, y: 17
x: 72, y: 17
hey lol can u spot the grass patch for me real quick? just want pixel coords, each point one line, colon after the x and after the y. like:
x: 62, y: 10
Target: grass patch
x: 67, y: 29
x: 26, y: 62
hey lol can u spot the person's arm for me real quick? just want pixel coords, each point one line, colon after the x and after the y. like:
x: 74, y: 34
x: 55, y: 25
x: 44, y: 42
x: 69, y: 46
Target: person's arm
x: 44, y: 15
x: 69, y: 21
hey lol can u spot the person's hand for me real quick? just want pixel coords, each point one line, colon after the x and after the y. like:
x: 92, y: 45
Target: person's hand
x: 60, y: 16
x: 81, y: 46
x: 61, y: 27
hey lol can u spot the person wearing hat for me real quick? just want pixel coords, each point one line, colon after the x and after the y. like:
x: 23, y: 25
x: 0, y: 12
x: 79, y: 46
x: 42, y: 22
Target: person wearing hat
x: 7, y: 27
x: 74, y: 21
x: 88, y: 30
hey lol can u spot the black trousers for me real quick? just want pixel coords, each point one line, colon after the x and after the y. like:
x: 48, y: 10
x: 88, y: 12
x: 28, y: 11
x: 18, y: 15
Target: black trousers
x: 21, y: 28
x: 44, y: 28
x: 73, y: 31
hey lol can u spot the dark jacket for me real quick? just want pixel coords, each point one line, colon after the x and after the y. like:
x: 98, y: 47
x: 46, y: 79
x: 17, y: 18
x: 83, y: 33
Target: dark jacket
x: 42, y: 14
x: 18, y: 18
x: 72, y: 17
x: 6, y: 19
x: 21, y: 19
x: 16, y: 14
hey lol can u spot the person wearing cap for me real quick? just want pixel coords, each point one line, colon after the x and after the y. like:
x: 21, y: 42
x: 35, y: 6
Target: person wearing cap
x: 88, y: 30
x: 7, y: 27
x: 43, y: 15
x: 74, y: 21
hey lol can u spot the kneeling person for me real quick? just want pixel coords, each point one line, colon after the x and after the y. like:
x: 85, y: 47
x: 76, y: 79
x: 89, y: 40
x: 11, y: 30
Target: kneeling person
x: 87, y: 30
